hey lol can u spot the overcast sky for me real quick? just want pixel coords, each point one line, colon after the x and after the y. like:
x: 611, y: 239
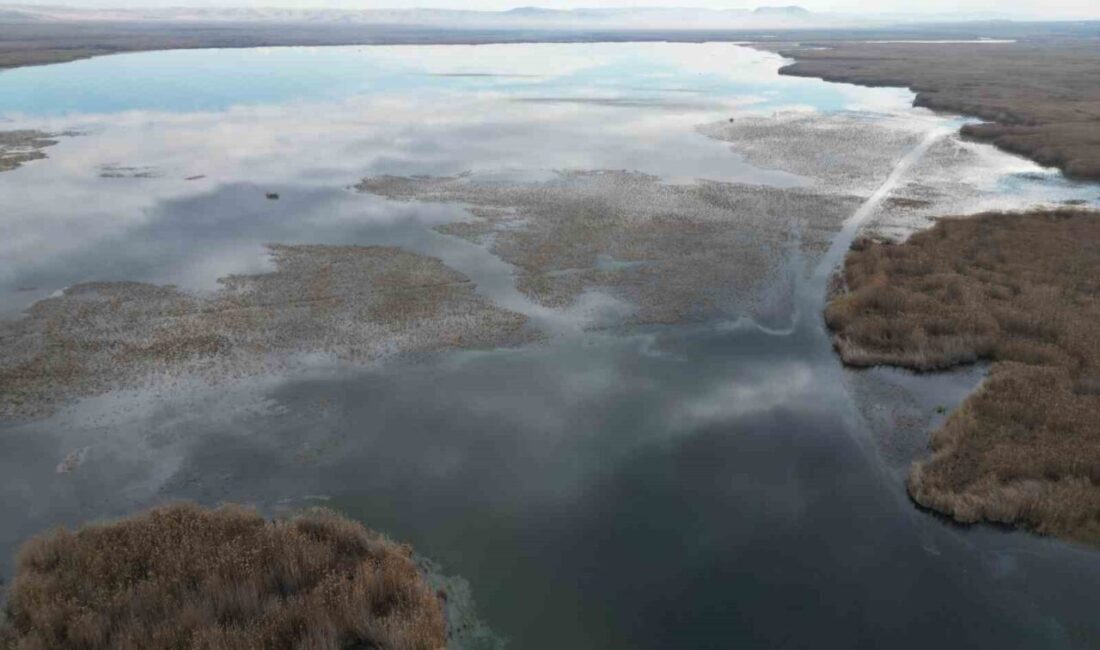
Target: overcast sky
x: 1066, y: 8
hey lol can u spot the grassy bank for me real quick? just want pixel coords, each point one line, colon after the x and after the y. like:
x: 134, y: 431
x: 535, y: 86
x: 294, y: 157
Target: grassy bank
x: 1039, y: 99
x: 1022, y: 291
x: 185, y: 577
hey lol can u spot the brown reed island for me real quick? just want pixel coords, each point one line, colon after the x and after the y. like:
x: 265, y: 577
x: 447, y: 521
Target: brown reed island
x: 1019, y: 290
x: 182, y: 576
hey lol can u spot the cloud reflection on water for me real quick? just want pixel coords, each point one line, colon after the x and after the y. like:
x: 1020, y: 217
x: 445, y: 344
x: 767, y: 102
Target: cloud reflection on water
x: 67, y: 212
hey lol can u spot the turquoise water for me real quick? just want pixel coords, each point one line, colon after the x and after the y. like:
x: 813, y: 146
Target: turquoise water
x: 211, y: 80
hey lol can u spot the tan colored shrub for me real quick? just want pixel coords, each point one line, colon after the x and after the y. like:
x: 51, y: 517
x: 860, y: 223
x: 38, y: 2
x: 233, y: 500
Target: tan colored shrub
x: 185, y: 577
x: 1023, y: 291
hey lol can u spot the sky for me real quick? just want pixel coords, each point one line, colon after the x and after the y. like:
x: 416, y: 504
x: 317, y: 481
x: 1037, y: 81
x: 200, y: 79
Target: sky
x: 1068, y: 8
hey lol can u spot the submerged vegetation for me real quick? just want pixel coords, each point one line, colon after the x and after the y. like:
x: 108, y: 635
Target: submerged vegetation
x: 353, y: 303
x: 185, y: 577
x: 844, y: 153
x: 1022, y: 291
x: 851, y: 152
x: 673, y: 253
x: 18, y: 147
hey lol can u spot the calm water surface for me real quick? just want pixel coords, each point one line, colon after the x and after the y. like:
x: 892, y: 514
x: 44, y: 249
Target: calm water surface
x: 713, y: 485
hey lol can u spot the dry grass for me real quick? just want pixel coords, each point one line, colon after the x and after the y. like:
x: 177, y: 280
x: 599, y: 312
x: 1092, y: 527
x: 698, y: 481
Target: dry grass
x: 1023, y: 291
x: 185, y: 577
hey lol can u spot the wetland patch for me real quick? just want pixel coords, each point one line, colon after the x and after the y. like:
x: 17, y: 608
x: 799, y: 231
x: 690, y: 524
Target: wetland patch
x: 352, y: 303
x: 848, y: 152
x: 23, y: 146
x: 674, y: 252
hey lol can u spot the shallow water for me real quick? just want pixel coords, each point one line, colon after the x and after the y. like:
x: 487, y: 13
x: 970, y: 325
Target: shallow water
x: 714, y: 484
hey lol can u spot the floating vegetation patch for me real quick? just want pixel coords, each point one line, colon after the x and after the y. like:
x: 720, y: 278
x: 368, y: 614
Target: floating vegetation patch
x: 352, y: 303
x: 113, y: 170
x: 18, y: 147
x: 675, y: 252
x: 848, y: 153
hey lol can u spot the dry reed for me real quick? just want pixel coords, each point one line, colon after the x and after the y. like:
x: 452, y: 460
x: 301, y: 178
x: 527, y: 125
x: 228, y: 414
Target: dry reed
x: 1022, y: 291
x: 182, y: 576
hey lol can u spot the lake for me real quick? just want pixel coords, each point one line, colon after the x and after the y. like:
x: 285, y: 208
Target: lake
x: 673, y: 458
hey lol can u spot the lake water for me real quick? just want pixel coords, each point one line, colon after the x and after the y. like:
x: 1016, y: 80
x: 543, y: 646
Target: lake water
x: 718, y: 483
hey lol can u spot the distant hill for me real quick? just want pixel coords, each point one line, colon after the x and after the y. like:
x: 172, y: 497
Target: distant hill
x: 789, y: 10
x: 527, y: 17
x: 532, y: 17
x: 17, y: 15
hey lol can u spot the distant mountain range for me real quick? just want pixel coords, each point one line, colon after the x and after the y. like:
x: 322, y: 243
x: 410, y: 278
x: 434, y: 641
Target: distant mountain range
x: 765, y: 17
x: 789, y: 10
x: 519, y: 18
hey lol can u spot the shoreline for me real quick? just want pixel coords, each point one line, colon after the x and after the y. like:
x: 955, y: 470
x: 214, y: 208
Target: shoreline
x: 47, y: 42
x: 1062, y: 134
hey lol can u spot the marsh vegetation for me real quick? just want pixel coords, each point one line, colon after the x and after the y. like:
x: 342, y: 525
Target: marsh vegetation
x: 844, y: 153
x: 1039, y: 99
x: 23, y: 146
x: 1020, y: 290
x: 353, y: 303
x: 674, y: 253
x: 181, y: 576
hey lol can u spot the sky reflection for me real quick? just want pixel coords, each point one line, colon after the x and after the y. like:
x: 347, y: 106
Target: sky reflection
x: 233, y: 125
x: 383, y: 113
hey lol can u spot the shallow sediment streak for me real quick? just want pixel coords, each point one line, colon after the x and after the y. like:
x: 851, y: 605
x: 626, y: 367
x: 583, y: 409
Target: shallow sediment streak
x: 314, y: 580
x: 818, y: 285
